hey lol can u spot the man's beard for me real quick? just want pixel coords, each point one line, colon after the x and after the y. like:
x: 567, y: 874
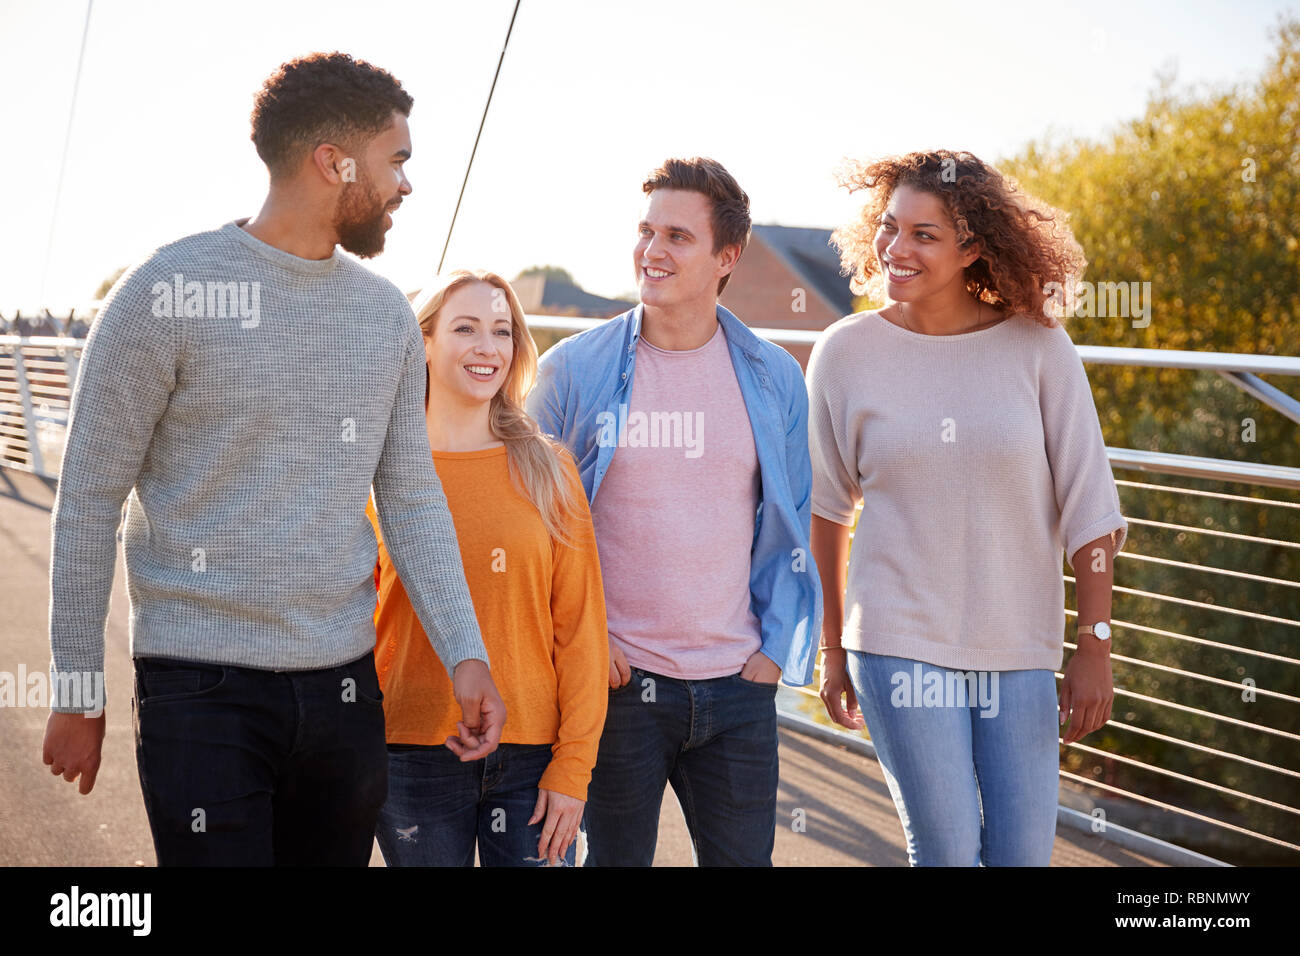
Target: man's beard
x: 359, y: 219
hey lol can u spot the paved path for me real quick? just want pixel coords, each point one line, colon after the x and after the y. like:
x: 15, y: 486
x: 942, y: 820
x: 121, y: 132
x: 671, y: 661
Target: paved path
x: 46, y: 822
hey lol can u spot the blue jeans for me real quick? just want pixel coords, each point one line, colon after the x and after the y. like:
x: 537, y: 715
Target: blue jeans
x: 714, y: 741
x: 438, y: 808
x: 972, y: 765
x: 245, y: 767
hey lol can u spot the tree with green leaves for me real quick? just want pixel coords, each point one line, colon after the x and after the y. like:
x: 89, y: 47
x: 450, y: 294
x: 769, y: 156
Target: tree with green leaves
x: 1200, y: 197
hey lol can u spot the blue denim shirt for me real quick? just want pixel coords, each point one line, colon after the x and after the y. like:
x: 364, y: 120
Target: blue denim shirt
x: 591, y: 372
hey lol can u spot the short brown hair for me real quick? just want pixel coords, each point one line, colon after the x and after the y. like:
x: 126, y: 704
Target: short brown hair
x: 730, y: 205
x: 322, y: 98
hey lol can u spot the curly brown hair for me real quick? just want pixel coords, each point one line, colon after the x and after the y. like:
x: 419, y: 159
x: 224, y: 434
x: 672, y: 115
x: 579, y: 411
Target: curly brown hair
x: 1025, y: 244
x: 322, y: 98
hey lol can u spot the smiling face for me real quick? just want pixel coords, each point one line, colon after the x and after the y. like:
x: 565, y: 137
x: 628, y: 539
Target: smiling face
x: 472, y: 345
x: 676, y: 266
x: 916, y: 244
x: 362, y: 215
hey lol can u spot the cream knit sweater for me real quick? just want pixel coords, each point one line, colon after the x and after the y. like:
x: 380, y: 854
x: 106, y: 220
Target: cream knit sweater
x: 977, y: 457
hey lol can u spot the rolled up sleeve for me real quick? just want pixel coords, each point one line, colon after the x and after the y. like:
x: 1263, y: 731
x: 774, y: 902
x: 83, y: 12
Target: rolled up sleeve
x: 1084, y: 484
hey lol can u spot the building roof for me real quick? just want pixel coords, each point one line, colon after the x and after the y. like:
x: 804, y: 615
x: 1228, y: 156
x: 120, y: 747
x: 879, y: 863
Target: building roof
x: 542, y: 294
x: 809, y: 254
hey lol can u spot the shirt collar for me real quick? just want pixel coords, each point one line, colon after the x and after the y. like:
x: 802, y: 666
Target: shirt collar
x: 735, y: 330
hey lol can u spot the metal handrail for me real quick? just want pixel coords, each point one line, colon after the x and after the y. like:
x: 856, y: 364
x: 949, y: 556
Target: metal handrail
x: 1186, y: 602
x: 1192, y: 466
x: 1209, y: 569
x: 1248, y: 499
x: 1192, y: 745
x: 1218, y: 645
x: 1194, y: 675
x: 1191, y: 814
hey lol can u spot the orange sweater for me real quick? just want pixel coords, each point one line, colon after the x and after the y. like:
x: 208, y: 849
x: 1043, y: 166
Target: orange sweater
x: 540, y: 607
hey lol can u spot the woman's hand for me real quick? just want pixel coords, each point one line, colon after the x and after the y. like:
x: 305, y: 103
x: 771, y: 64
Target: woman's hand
x: 563, y: 814
x: 1086, y: 692
x: 835, y: 684
x: 830, y: 548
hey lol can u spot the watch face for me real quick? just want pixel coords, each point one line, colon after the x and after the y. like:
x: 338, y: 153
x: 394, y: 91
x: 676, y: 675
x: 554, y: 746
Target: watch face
x: 1102, y: 631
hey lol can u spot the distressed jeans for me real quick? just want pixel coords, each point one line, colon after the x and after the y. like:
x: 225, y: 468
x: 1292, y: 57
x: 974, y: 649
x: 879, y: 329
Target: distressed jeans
x: 245, y: 767
x: 972, y: 766
x: 439, y: 809
x: 715, y: 741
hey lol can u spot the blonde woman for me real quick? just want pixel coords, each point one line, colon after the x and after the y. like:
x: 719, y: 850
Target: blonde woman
x: 959, y: 415
x: 526, y: 541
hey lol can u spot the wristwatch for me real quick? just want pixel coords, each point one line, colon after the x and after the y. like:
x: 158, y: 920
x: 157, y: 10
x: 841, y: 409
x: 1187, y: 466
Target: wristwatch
x: 1100, y: 630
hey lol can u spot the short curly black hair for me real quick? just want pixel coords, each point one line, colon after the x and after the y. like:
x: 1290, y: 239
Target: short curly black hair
x: 322, y: 98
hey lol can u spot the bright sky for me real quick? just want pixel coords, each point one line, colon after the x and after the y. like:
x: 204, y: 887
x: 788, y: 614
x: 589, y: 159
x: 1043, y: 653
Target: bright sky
x: 592, y: 96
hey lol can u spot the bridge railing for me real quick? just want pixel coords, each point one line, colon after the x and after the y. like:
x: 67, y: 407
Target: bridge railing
x: 36, y: 378
x: 1202, y: 749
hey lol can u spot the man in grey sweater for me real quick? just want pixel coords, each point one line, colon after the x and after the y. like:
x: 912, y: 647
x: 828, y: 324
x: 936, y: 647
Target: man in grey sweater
x: 246, y: 387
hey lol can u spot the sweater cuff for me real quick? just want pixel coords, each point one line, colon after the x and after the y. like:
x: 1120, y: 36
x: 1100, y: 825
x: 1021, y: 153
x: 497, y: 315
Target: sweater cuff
x: 77, y: 691
x: 562, y: 777
x: 1112, y: 524
x: 831, y: 514
x: 464, y: 645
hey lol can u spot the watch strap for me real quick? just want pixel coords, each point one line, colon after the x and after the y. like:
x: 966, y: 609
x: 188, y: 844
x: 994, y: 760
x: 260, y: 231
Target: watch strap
x: 1092, y: 630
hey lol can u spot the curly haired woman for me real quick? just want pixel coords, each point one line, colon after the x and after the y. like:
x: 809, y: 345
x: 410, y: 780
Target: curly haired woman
x: 960, y: 416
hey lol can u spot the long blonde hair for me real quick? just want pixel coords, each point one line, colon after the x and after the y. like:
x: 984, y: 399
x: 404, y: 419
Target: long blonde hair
x: 535, y: 462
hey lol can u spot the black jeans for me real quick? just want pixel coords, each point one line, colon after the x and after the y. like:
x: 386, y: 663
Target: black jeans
x: 244, y: 767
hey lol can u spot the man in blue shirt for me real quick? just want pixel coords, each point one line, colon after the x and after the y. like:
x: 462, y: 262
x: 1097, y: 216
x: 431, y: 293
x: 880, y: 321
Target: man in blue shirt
x: 703, y: 532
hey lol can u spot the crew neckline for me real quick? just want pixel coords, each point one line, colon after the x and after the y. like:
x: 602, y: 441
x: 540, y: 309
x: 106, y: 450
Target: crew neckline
x: 467, y: 455
x: 927, y: 338
x: 286, y: 260
x: 642, y: 340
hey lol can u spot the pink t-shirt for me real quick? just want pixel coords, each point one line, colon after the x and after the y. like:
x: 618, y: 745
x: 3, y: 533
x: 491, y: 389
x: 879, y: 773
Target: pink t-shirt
x: 674, y: 516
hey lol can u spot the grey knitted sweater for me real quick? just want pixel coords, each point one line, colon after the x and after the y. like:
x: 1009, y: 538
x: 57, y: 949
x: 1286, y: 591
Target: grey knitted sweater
x: 246, y: 399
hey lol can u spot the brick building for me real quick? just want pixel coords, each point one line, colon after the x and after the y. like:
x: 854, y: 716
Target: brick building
x: 789, y: 278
